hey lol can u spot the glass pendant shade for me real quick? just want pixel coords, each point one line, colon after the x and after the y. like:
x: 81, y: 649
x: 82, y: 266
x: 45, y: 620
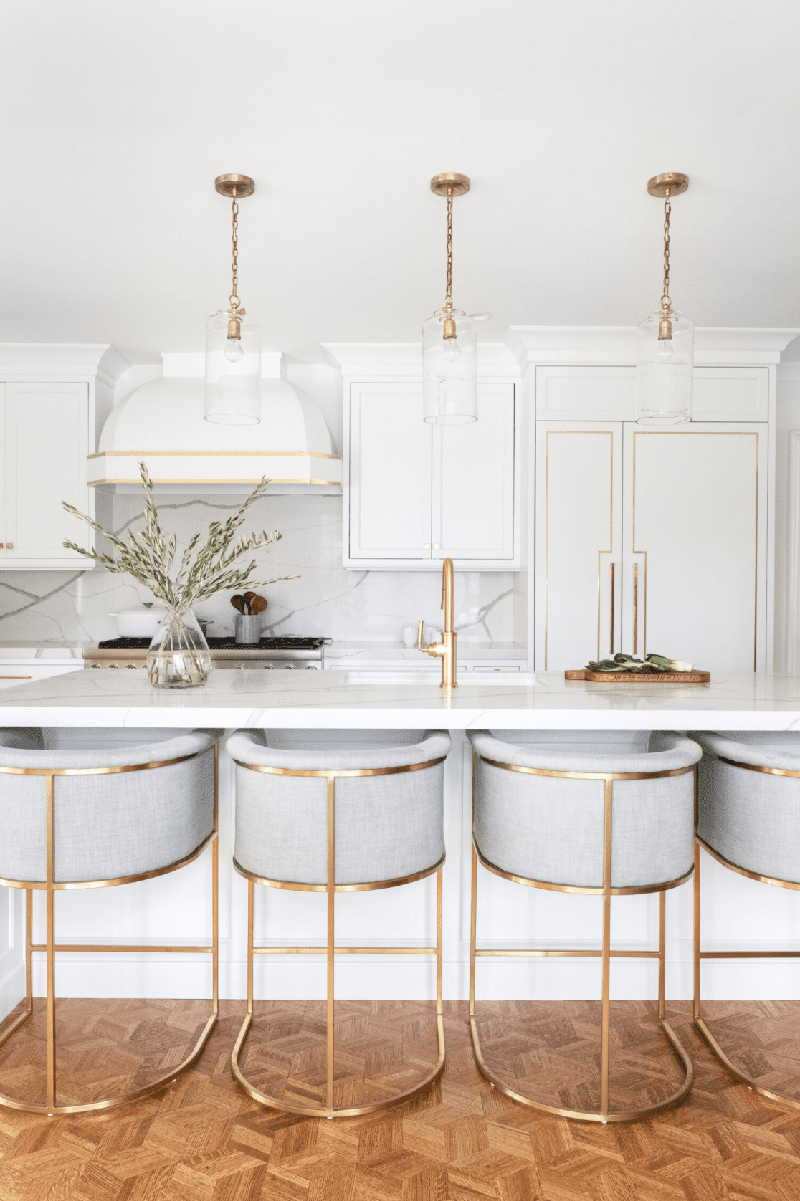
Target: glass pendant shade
x: 450, y: 369
x: 664, y: 369
x: 233, y: 370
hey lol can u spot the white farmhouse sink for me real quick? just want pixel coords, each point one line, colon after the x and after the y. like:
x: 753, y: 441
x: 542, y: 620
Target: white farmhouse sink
x: 466, y: 679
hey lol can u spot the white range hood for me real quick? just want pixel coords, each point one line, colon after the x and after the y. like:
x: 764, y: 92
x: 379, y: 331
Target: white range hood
x: 162, y: 424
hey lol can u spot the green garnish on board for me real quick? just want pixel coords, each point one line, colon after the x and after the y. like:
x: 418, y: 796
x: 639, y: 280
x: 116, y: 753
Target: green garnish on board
x: 652, y: 665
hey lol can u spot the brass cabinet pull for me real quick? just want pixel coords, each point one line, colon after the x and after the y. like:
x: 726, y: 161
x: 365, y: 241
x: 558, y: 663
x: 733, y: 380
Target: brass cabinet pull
x: 635, y: 606
x: 9, y: 546
x: 612, y: 608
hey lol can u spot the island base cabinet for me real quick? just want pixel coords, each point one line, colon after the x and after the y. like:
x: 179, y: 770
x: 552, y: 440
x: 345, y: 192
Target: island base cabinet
x: 652, y: 540
x: 738, y: 910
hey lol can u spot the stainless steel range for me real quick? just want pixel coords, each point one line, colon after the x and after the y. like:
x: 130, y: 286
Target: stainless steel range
x: 269, y: 654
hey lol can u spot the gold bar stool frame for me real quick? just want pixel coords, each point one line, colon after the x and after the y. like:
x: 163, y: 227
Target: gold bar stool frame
x: 331, y: 950
x: 50, y: 886
x: 711, y: 758
x: 605, y: 954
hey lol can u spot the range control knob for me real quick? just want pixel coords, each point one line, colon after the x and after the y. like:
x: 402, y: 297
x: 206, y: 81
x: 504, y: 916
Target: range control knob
x: 130, y: 667
x: 113, y: 667
x: 94, y: 666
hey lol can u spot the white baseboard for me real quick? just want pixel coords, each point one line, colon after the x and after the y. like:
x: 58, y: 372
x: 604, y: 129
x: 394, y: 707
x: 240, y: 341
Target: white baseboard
x: 12, y: 984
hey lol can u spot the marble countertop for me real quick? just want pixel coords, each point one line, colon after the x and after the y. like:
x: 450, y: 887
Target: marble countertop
x: 489, y: 653
x: 23, y: 652
x: 359, y: 653
x: 339, y: 699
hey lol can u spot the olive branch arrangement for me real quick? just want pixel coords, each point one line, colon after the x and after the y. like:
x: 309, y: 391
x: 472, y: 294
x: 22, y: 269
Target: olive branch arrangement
x: 149, y: 556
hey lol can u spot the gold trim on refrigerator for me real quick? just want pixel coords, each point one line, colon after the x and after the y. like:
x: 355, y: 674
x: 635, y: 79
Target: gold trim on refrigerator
x: 610, y: 434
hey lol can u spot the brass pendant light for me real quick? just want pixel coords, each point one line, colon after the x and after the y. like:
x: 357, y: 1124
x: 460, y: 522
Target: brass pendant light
x: 449, y: 341
x: 233, y: 340
x: 665, y: 341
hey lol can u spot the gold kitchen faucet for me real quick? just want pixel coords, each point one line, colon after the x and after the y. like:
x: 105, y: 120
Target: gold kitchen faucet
x: 446, y: 649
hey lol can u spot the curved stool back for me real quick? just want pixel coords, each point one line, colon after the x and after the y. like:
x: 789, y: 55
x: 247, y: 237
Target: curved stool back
x: 350, y: 812
x: 748, y: 819
x: 96, y: 818
x: 587, y: 813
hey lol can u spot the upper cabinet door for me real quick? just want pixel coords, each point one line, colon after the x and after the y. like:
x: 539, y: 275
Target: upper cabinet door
x: 46, y: 444
x: 390, y: 473
x: 578, y: 575
x: 473, y: 481
x: 696, y: 526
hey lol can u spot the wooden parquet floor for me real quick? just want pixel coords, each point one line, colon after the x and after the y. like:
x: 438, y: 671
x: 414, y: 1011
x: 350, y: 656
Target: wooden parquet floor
x: 202, y: 1139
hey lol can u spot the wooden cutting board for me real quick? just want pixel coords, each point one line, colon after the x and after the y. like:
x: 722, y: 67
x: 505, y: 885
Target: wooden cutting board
x: 635, y: 677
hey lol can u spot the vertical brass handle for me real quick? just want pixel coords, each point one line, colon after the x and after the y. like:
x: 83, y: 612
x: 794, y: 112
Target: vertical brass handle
x: 635, y: 606
x: 612, y: 609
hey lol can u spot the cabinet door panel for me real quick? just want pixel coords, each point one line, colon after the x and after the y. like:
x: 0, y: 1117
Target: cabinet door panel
x: 3, y: 484
x: 390, y: 473
x: 47, y: 431
x: 578, y: 538
x: 695, y: 506
x: 473, y: 503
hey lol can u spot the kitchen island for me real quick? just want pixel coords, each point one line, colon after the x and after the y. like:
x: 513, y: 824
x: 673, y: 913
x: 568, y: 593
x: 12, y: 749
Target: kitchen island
x: 413, y: 700
x: 740, y: 912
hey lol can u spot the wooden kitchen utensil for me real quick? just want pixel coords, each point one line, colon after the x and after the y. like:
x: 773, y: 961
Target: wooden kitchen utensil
x: 258, y: 604
x: 238, y: 602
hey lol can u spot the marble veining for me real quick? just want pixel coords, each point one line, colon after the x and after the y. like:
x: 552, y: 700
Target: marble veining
x: 330, y: 700
x: 59, y: 607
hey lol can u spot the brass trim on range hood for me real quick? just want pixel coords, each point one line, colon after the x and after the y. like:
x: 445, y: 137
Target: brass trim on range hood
x: 291, y: 445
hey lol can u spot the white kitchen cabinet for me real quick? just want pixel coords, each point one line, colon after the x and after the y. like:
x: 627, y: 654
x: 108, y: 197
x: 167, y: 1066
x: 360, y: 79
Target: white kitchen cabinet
x: 54, y: 398
x: 45, y: 444
x: 416, y: 493
x: 652, y: 540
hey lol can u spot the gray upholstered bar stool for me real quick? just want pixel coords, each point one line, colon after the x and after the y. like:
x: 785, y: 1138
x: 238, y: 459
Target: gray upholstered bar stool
x: 338, y: 811
x: 96, y: 808
x: 748, y: 819
x: 600, y: 812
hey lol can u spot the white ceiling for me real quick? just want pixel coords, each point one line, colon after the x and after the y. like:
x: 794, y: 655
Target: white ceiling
x: 118, y: 114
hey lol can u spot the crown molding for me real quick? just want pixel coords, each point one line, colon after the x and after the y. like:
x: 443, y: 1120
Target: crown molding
x: 403, y: 360
x: 616, y: 345
x: 191, y: 364
x: 61, y: 360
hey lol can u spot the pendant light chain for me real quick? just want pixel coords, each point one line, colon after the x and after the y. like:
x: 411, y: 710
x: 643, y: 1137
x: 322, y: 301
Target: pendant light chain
x: 666, y: 303
x: 234, y: 297
x: 448, y: 300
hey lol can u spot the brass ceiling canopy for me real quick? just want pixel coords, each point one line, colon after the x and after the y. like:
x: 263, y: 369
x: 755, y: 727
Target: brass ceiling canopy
x: 450, y: 183
x: 233, y: 186
x: 674, y: 182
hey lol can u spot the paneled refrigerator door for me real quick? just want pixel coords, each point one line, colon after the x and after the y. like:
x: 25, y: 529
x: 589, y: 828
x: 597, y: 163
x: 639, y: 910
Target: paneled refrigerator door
x: 695, y: 528
x: 578, y: 549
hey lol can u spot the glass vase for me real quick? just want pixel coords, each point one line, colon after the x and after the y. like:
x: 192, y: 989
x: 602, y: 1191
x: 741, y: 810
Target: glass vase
x: 178, y: 656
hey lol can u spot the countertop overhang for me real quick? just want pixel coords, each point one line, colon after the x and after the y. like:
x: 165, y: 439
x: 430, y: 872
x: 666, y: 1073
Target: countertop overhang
x: 330, y: 700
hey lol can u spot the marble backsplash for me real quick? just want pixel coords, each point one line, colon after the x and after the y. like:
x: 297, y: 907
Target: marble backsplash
x: 344, y: 605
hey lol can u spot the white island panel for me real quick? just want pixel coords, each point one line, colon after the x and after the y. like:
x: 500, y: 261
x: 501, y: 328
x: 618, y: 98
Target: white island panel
x: 337, y: 699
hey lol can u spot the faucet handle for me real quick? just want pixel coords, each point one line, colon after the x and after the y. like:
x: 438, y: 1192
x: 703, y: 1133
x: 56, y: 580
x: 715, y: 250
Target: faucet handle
x: 420, y: 624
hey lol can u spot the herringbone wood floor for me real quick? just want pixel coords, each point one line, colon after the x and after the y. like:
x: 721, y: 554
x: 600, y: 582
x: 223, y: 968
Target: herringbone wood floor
x: 202, y: 1139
